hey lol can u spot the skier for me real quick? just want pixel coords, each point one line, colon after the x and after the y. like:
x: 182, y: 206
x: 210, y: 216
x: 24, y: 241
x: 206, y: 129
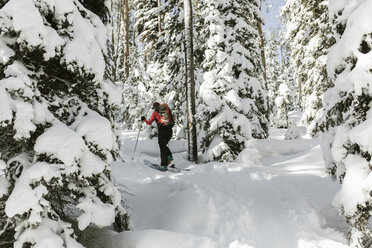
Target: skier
x: 163, y: 117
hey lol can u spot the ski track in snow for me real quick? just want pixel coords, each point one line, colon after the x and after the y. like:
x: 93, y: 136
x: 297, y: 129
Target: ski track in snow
x: 284, y: 202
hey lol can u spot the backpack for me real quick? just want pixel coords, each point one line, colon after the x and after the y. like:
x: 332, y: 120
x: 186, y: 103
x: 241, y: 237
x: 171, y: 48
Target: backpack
x: 166, y: 117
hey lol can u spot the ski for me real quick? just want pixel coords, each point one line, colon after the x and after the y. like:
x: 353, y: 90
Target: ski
x: 171, y: 168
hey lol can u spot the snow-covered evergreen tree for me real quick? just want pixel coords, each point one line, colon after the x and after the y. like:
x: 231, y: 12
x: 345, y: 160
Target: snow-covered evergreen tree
x: 233, y: 102
x: 347, y: 143
x: 273, y: 69
x: 292, y: 132
x: 165, y: 69
x: 112, y: 59
x: 56, y: 123
x: 308, y: 33
x: 147, y: 25
x: 137, y: 98
x: 281, y: 81
x: 170, y: 55
x: 282, y: 104
x: 287, y: 73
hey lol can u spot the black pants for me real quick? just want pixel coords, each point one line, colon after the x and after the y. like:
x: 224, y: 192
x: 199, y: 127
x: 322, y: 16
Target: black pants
x: 164, y: 136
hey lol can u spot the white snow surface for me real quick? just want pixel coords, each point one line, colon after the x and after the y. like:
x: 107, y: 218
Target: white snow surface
x: 275, y: 195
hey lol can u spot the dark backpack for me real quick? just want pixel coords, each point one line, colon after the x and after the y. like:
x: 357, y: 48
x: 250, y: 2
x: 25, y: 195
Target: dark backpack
x: 166, y: 117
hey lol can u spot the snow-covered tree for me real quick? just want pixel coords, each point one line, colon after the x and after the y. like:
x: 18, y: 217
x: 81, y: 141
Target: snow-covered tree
x: 287, y: 73
x: 347, y: 143
x: 281, y: 81
x: 137, y: 98
x: 114, y: 42
x: 147, y: 22
x: 282, y: 104
x: 308, y: 33
x: 165, y: 69
x: 233, y: 101
x: 172, y: 55
x: 273, y: 68
x: 56, y: 123
x: 292, y: 132
x: 169, y: 68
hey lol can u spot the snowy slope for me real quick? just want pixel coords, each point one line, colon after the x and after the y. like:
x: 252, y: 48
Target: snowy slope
x: 284, y: 200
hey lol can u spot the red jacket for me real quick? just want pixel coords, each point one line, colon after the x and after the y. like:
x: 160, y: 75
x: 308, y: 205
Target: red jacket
x: 154, y: 117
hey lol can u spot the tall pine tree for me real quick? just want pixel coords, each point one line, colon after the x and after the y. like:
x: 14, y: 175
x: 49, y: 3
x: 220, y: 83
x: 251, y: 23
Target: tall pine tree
x: 308, y: 33
x: 137, y: 96
x: 56, y: 123
x: 273, y: 69
x: 233, y: 100
x: 348, y: 121
x: 166, y: 67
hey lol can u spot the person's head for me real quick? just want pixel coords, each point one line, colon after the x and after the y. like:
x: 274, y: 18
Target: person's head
x: 155, y: 105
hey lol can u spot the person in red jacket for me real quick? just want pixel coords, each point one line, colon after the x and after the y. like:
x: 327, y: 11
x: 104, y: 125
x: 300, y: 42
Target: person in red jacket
x: 164, y: 135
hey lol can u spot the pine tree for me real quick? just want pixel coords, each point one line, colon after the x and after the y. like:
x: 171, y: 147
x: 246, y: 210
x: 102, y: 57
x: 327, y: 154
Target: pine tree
x: 112, y: 71
x: 147, y: 26
x: 171, y: 57
x: 292, y: 25
x: 57, y: 134
x: 273, y: 69
x: 233, y: 102
x: 166, y: 67
x: 308, y: 33
x: 137, y: 99
x: 252, y: 75
x: 347, y: 140
x: 288, y: 74
x: 148, y: 29
x: 282, y: 104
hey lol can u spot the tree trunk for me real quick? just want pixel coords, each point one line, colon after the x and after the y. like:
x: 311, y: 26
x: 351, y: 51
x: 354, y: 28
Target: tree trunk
x: 299, y: 86
x: 113, y: 48
x: 262, y: 47
x: 159, y: 18
x: 189, y: 147
x: 263, y: 59
x: 190, y: 86
x: 126, y: 38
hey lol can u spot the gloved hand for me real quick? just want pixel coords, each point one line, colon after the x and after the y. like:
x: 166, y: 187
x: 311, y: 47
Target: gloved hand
x: 143, y: 118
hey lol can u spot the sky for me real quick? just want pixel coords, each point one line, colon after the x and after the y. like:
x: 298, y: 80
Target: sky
x: 272, y: 14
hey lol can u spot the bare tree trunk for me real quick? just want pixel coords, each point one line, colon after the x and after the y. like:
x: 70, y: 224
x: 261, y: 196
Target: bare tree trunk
x: 193, y: 151
x: 113, y: 47
x: 282, y: 59
x: 263, y: 59
x: 159, y: 18
x: 126, y: 38
x: 299, y: 86
x: 262, y: 46
x: 189, y: 147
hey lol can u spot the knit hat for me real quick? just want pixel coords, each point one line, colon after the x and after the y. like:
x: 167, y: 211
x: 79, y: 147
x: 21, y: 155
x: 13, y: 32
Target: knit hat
x: 155, y: 105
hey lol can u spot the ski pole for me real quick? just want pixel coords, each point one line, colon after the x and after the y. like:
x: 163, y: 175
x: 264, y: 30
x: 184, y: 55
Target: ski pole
x: 135, y: 147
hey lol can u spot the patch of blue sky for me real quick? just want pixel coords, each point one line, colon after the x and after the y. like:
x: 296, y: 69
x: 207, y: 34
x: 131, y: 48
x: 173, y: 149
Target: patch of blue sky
x: 270, y: 9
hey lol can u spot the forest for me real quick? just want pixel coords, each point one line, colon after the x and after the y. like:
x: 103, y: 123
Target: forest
x: 77, y: 76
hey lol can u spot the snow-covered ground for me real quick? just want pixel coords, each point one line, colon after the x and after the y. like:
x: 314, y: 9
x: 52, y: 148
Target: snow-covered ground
x: 281, y: 198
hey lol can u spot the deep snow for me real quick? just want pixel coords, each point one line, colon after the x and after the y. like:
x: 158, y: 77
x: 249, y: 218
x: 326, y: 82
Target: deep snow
x: 283, y: 199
